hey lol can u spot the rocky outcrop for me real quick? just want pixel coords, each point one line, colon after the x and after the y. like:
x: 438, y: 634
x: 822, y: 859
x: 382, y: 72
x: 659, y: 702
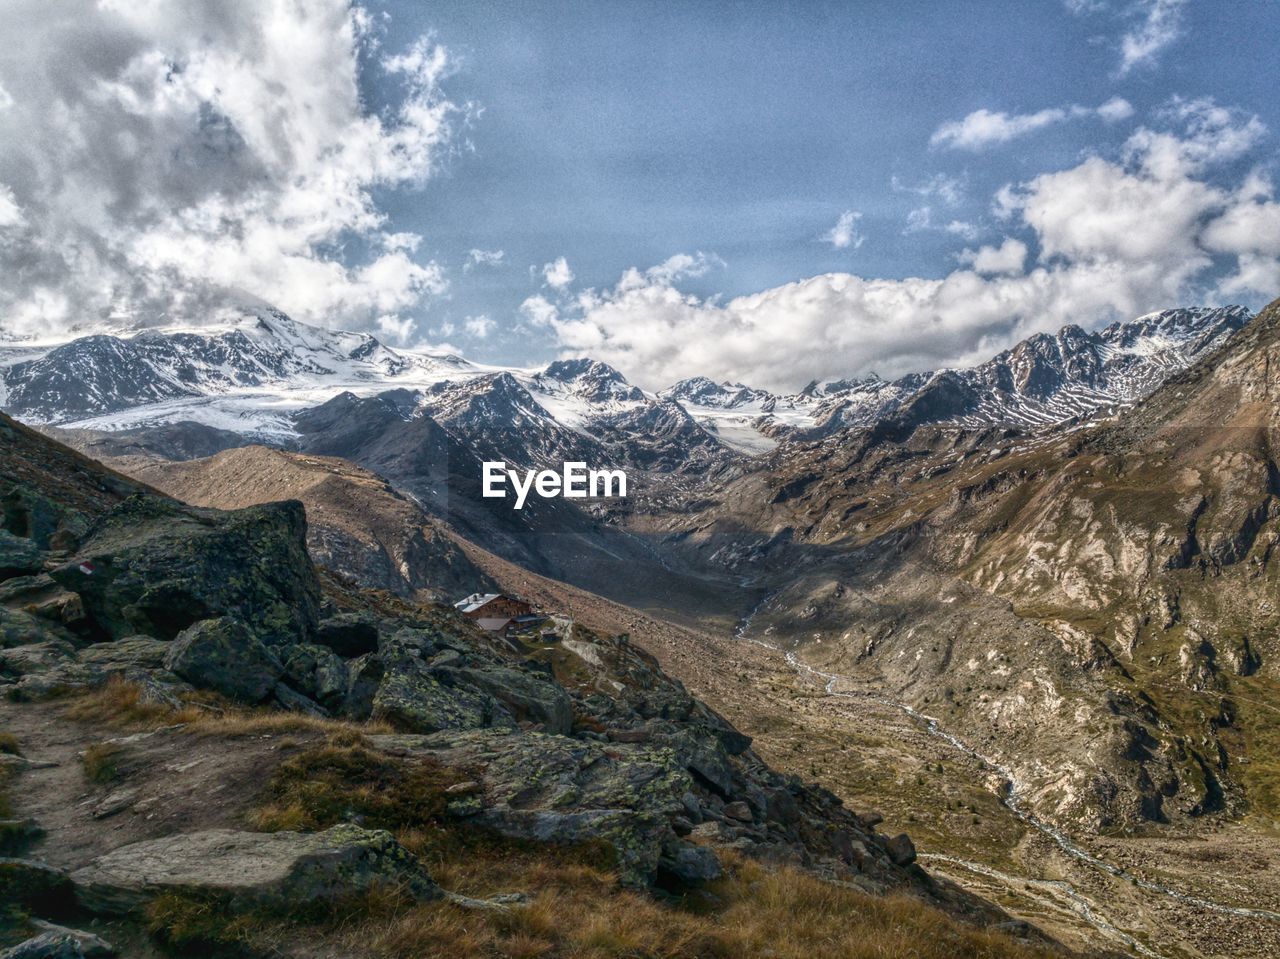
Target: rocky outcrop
x: 154, y: 566
x: 251, y: 869
x: 226, y: 656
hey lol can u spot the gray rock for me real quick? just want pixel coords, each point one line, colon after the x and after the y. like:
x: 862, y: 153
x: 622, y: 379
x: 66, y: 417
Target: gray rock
x: 414, y: 701
x: 18, y: 556
x: 132, y: 652
x: 739, y: 811
x: 31, y: 883
x: 20, y: 628
x: 901, y: 850
x: 224, y: 655
x: 91, y: 946
x: 528, y: 696
x: 295, y: 702
x: 47, y: 945
x: 280, y: 869
x: 690, y: 863
x: 555, y: 789
x: 155, y: 566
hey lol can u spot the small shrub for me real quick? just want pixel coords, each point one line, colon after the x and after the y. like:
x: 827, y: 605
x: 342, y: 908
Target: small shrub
x: 103, y: 762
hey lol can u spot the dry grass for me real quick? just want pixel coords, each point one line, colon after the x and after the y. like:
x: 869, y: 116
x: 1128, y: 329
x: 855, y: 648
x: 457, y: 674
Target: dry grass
x: 120, y: 704
x: 103, y: 762
x: 9, y: 744
x: 342, y: 781
x: 579, y: 913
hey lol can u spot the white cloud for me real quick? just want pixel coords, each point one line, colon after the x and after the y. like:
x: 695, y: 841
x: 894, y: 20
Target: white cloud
x: 1159, y: 24
x: 185, y: 156
x: 557, y: 273
x: 845, y: 233
x: 539, y: 311
x: 478, y: 326
x: 10, y: 212
x: 984, y: 128
x: 1115, y: 110
x: 921, y: 219
x: 1115, y: 240
x: 481, y: 258
x: 1203, y: 134
x: 1249, y: 229
x: 1008, y: 258
x: 948, y: 189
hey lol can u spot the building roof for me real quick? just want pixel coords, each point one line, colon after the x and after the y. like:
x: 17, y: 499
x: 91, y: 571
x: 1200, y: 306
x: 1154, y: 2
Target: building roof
x: 475, y: 601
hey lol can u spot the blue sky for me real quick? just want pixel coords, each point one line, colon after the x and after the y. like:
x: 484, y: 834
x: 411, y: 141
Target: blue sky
x: 616, y: 135
x: 752, y: 191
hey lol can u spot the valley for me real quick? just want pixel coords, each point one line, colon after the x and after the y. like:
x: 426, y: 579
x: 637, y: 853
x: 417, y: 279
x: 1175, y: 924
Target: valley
x: 1024, y: 611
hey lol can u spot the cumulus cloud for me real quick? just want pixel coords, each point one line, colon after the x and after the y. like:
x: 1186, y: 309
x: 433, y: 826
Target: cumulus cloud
x: 1159, y: 24
x: 557, y: 273
x: 1007, y: 258
x: 161, y: 161
x: 984, y: 128
x: 482, y: 258
x: 845, y: 233
x: 478, y: 326
x: 1115, y: 238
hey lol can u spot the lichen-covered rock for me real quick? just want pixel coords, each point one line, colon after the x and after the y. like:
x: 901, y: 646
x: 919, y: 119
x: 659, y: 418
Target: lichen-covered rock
x: 224, y: 655
x: 413, y: 700
x: 125, y: 655
x: 154, y: 566
x: 20, y: 628
x: 19, y: 556
x: 318, y: 672
x: 282, y: 869
x: 555, y: 789
x: 527, y: 695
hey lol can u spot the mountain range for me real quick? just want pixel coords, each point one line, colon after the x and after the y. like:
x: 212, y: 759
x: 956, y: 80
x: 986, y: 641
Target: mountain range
x: 1057, y: 564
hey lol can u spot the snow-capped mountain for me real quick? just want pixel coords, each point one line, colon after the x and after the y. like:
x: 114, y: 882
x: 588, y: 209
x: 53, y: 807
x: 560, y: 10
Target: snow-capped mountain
x: 1043, y: 380
x: 255, y: 375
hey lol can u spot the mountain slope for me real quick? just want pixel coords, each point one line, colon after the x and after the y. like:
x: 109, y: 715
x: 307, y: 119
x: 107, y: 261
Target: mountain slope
x: 358, y: 526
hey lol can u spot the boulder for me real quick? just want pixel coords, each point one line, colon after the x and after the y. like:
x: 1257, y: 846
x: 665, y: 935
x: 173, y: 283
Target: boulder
x: 91, y: 946
x: 47, y: 945
x: 413, y: 700
x: 20, y: 628
x: 18, y: 556
x: 556, y: 789
x: 318, y: 672
x: 154, y: 566
x: 901, y: 850
x: 281, y: 869
x: 34, y: 884
x: 527, y: 695
x: 689, y: 863
x: 224, y: 655
x: 126, y: 655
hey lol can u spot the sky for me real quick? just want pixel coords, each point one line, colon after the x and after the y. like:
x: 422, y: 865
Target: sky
x: 756, y: 192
